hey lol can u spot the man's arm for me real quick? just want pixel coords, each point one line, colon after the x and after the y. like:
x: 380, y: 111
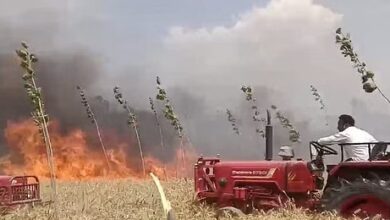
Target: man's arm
x: 334, y: 139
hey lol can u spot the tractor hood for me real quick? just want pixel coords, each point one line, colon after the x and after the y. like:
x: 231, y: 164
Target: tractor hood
x: 290, y: 176
x: 250, y: 169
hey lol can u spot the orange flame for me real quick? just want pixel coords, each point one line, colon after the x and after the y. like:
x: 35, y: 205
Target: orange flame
x: 74, y: 159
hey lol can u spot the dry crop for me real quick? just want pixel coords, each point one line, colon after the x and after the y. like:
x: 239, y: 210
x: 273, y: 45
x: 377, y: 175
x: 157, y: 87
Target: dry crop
x: 137, y: 200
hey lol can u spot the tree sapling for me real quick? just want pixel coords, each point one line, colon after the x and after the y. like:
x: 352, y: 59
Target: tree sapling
x: 369, y: 84
x: 249, y: 96
x: 131, y: 122
x: 91, y: 116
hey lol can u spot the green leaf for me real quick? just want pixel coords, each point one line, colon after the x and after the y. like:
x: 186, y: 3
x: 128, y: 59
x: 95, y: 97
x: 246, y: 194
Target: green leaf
x: 24, y: 44
x: 26, y: 76
x: 24, y: 64
x: 28, y: 85
x: 46, y: 118
x: 33, y: 58
x: 369, y: 74
x: 29, y: 70
x: 369, y: 87
x: 338, y: 38
x: 21, y: 53
x: 364, y: 78
x: 338, y: 31
x: 162, y: 92
x: 160, y: 97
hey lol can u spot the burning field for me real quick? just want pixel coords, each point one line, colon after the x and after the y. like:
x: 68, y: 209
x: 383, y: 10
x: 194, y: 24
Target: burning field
x: 64, y: 119
x: 75, y: 158
x: 88, y: 190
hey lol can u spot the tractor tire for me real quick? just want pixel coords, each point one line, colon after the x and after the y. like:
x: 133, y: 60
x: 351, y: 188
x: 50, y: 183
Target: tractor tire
x: 228, y: 211
x: 361, y: 197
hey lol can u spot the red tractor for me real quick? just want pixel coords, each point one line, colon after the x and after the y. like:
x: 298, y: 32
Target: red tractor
x: 16, y: 191
x: 352, y: 188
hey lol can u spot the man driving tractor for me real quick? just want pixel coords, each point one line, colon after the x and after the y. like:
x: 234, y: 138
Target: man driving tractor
x: 348, y: 133
x: 351, y: 189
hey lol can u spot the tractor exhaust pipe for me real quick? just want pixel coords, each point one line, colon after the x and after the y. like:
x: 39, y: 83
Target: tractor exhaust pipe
x: 268, y: 138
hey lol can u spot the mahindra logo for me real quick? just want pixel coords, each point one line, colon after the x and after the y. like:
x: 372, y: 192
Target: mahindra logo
x: 257, y: 173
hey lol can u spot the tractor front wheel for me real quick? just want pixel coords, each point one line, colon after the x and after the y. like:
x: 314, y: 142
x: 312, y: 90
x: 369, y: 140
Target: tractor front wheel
x: 229, y: 211
x: 361, y: 197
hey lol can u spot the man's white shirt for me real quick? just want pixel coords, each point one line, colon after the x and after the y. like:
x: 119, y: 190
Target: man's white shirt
x: 351, y: 135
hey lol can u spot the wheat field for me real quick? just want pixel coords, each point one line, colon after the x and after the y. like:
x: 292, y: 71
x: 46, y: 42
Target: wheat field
x: 135, y: 199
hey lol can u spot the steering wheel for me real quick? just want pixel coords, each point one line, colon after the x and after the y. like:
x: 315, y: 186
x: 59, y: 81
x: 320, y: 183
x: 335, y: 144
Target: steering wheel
x: 322, y: 149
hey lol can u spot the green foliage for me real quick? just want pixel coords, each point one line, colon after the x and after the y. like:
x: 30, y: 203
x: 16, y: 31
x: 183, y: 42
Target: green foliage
x: 154, y: 110
x: 169, y: 113
x: 34, y: 92
x: 84, y: 101
x: 317, y: 97
x: 233, y: 121
x: 157, y: 123
x: 248, y: 91
x: 293, y: 133
x: 91, y: 116
x: 131, y: 121
x: 367, y: 76
x: 38, y: 114
x: 132, y: 118
x: 346, y: 47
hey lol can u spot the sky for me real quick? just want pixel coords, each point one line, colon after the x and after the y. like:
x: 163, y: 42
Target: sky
x: 211, y: 48
x: 140, y: 34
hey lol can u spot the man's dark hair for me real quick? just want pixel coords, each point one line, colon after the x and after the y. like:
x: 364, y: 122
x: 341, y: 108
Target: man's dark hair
x: 347, y: 119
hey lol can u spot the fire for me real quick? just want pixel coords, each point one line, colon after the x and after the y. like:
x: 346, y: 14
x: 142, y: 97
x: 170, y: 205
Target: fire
x: 74, y: 159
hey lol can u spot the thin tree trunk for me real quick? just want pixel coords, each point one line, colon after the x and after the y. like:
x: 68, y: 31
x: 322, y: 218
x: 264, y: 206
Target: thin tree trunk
x: 49, y: 149
x: 182, y: 154
x: 140, y: 150
x: 381, y: 93
x: 139, y: 142
x: 161, y: 144
x: 50, y: 156
x: 102, y: 145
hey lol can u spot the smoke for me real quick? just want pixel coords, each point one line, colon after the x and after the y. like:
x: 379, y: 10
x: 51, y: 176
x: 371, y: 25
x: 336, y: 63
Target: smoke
x: 60, y: 69
x: 279, y: 49
x: 58, y: 74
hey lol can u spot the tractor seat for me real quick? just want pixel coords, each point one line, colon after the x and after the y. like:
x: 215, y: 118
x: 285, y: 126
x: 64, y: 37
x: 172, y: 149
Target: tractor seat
x: 382, y: 156
x: 378, y: 152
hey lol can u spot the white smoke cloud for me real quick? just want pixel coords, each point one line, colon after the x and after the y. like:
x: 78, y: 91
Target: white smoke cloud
x: 287, y: 45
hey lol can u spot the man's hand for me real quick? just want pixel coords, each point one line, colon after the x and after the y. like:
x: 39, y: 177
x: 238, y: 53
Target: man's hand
x: 313, y: 151
x: 338, y: 138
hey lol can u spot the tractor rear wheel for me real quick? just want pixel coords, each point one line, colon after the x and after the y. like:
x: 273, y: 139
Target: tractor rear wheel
x: 361, y: 197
